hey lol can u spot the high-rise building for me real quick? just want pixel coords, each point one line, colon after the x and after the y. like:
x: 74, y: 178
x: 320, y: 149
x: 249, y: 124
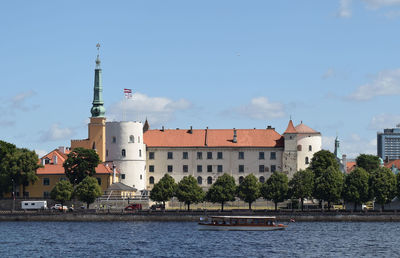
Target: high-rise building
x: 389, y: 143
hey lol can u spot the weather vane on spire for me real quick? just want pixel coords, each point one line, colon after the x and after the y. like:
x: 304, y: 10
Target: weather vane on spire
x: 98, y: 58
x: 98, y: 47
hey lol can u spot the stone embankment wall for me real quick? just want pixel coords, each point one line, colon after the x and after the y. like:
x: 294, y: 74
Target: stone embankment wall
x: 118, y: 215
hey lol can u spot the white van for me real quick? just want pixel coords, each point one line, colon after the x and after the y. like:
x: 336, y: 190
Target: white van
x: 34, y: 205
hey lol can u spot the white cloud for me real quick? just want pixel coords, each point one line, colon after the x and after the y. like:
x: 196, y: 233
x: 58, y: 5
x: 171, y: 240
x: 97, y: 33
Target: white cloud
x: 386, y: 83
x: 344, y: 9
x: 261, y: 109
x: 375, y: 4
x: 352, y: 146
x: 382, y: 121
x: 158, y: 110
x: 18, y: 101
x: 55, y: 133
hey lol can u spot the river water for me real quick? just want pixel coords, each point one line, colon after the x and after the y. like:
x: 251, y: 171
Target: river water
x: 182, y: 239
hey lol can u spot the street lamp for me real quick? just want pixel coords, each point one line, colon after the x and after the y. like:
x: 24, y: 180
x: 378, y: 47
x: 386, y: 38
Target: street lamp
x: 13, y: 193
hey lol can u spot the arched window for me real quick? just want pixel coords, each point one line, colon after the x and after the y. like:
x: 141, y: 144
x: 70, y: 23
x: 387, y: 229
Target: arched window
x: 307, y: 161
x: 262, y: 179
x: 209, y: 180
x: 199, y: 180
x: 138, y: 139
x: 123, y: 152
x: 151, y: 180
x: 132, y: 138
x: 140, y: 153
x: 241, y: 179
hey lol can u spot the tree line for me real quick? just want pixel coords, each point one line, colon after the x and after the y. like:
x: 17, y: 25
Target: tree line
x: 322, y: 180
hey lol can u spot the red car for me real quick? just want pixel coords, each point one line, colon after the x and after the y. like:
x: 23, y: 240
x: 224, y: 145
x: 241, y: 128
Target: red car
x: 134, y: 206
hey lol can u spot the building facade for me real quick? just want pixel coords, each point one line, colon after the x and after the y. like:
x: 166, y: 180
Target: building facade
x: 388, y: 144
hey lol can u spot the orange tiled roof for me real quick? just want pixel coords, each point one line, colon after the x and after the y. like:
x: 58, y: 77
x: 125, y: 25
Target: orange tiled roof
x: 302, y: 128
x: 395, y: 162
x: 350, y: 166
x: 290, y: 128
x: 213, y: 138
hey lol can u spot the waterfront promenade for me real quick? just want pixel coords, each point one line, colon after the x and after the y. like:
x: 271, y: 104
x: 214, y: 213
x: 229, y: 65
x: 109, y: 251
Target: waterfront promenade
x: 120, y: 215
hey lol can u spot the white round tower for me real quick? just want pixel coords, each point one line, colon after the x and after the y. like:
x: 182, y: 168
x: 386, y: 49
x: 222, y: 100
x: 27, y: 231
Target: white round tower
x: 309, y: 142
x: 125, y: 148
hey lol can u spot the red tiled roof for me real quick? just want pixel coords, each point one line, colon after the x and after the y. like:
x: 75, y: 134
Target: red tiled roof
x: 302, y: 128
x: 290, y: 128
x: 390, y: 163
x: 350, y: 166
x: 213, y: 138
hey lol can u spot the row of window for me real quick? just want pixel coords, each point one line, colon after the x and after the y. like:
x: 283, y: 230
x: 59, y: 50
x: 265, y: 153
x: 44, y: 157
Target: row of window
x: 199, y: 155
x: 185, y: 168
x: 299, y: 147
x: 131, y: 139
x: 210, y: 180
x: 123, y: 153
x: 46, y: 180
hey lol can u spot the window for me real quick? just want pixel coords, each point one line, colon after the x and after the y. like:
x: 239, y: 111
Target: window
x: 219, y: 168
x: 46, y: 195
x: 241, y: 179
x: 131, y: 139
x: 199, y: 155
x: 307, y: 162
x: 122, y: 176
x: 261, y: 155
x: 141, y: 177
x: 185, y: 155
x: 98, y: 180
x: 151, y: 180
x: 273, y: 168
x: 261, y: 168
x: 185, y: 168
x: 151, y: 168
x: 309, y: 148
x: 209, y: 180
x: 241, y: 168
x: 114, y: 139
x: 151, y: 155
x: 199, y: 168
x: 219, y: 155
x: 140, y: 153
x: 209, y: 155
x: 170, y: 168
x: 299, y: 147
x: 262, y: 179
x: 241, y: 155
x: 46, y: 181
x: 123, y: 152
x: 199, y: 180
x: 170, y: 155
x: 209, y: 168
x: 272, y: 155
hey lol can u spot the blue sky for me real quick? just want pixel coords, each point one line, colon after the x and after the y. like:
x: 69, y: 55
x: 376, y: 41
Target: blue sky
x: 332, y: 64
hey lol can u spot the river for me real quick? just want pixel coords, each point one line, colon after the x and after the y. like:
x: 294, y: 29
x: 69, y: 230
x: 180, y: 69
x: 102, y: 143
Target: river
x: 182, y: 239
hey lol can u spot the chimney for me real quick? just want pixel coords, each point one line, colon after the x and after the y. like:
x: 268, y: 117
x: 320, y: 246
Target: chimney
x: 191, y: 130
x: 162, y: 129
x: 55, y: 159
x: 269, y: 127
x: 234, y: 136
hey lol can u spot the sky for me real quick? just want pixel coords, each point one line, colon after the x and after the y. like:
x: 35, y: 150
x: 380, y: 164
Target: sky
x: 332, y: 64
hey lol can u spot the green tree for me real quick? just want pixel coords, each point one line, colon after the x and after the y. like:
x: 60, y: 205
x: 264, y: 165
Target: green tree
x: 222, y: 191
x: 88, y: 190
x: 321, y: 161
x: 276, y: 188
x: 249, y: 189
x: 188, y: 191
x: 164, y: 190
x: 382, y: 185
x: 62, y: 192
x: 302, y: 185
x: 368, y: 162
x: 329, y: 185
x: 27, y: 164
x: 80, y: 163
x: 355, y: 187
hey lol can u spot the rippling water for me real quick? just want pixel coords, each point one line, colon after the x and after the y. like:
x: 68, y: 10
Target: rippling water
x: 182, y: 239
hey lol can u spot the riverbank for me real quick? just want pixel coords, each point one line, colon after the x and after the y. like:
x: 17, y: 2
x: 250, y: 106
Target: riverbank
x: 194, y: 216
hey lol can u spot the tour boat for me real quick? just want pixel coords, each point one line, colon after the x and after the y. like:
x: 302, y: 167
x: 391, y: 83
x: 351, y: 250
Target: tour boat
x: 253, y: 223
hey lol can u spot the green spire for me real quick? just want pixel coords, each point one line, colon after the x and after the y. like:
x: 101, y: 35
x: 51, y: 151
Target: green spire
x: 98, y: 109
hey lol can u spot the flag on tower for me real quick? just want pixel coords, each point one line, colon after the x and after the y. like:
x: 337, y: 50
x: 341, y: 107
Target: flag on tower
x: 128, y: 93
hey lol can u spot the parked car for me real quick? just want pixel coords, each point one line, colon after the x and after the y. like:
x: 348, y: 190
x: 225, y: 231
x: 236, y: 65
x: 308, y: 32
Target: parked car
x: 157, y: 207
x: 134, y: 206
x: 59, y: 207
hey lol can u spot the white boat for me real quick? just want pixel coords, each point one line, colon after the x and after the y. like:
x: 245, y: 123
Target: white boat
x: 253, y: 223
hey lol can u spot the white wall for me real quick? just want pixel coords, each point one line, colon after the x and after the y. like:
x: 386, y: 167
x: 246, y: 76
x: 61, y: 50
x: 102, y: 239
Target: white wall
x: 306, y: 140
